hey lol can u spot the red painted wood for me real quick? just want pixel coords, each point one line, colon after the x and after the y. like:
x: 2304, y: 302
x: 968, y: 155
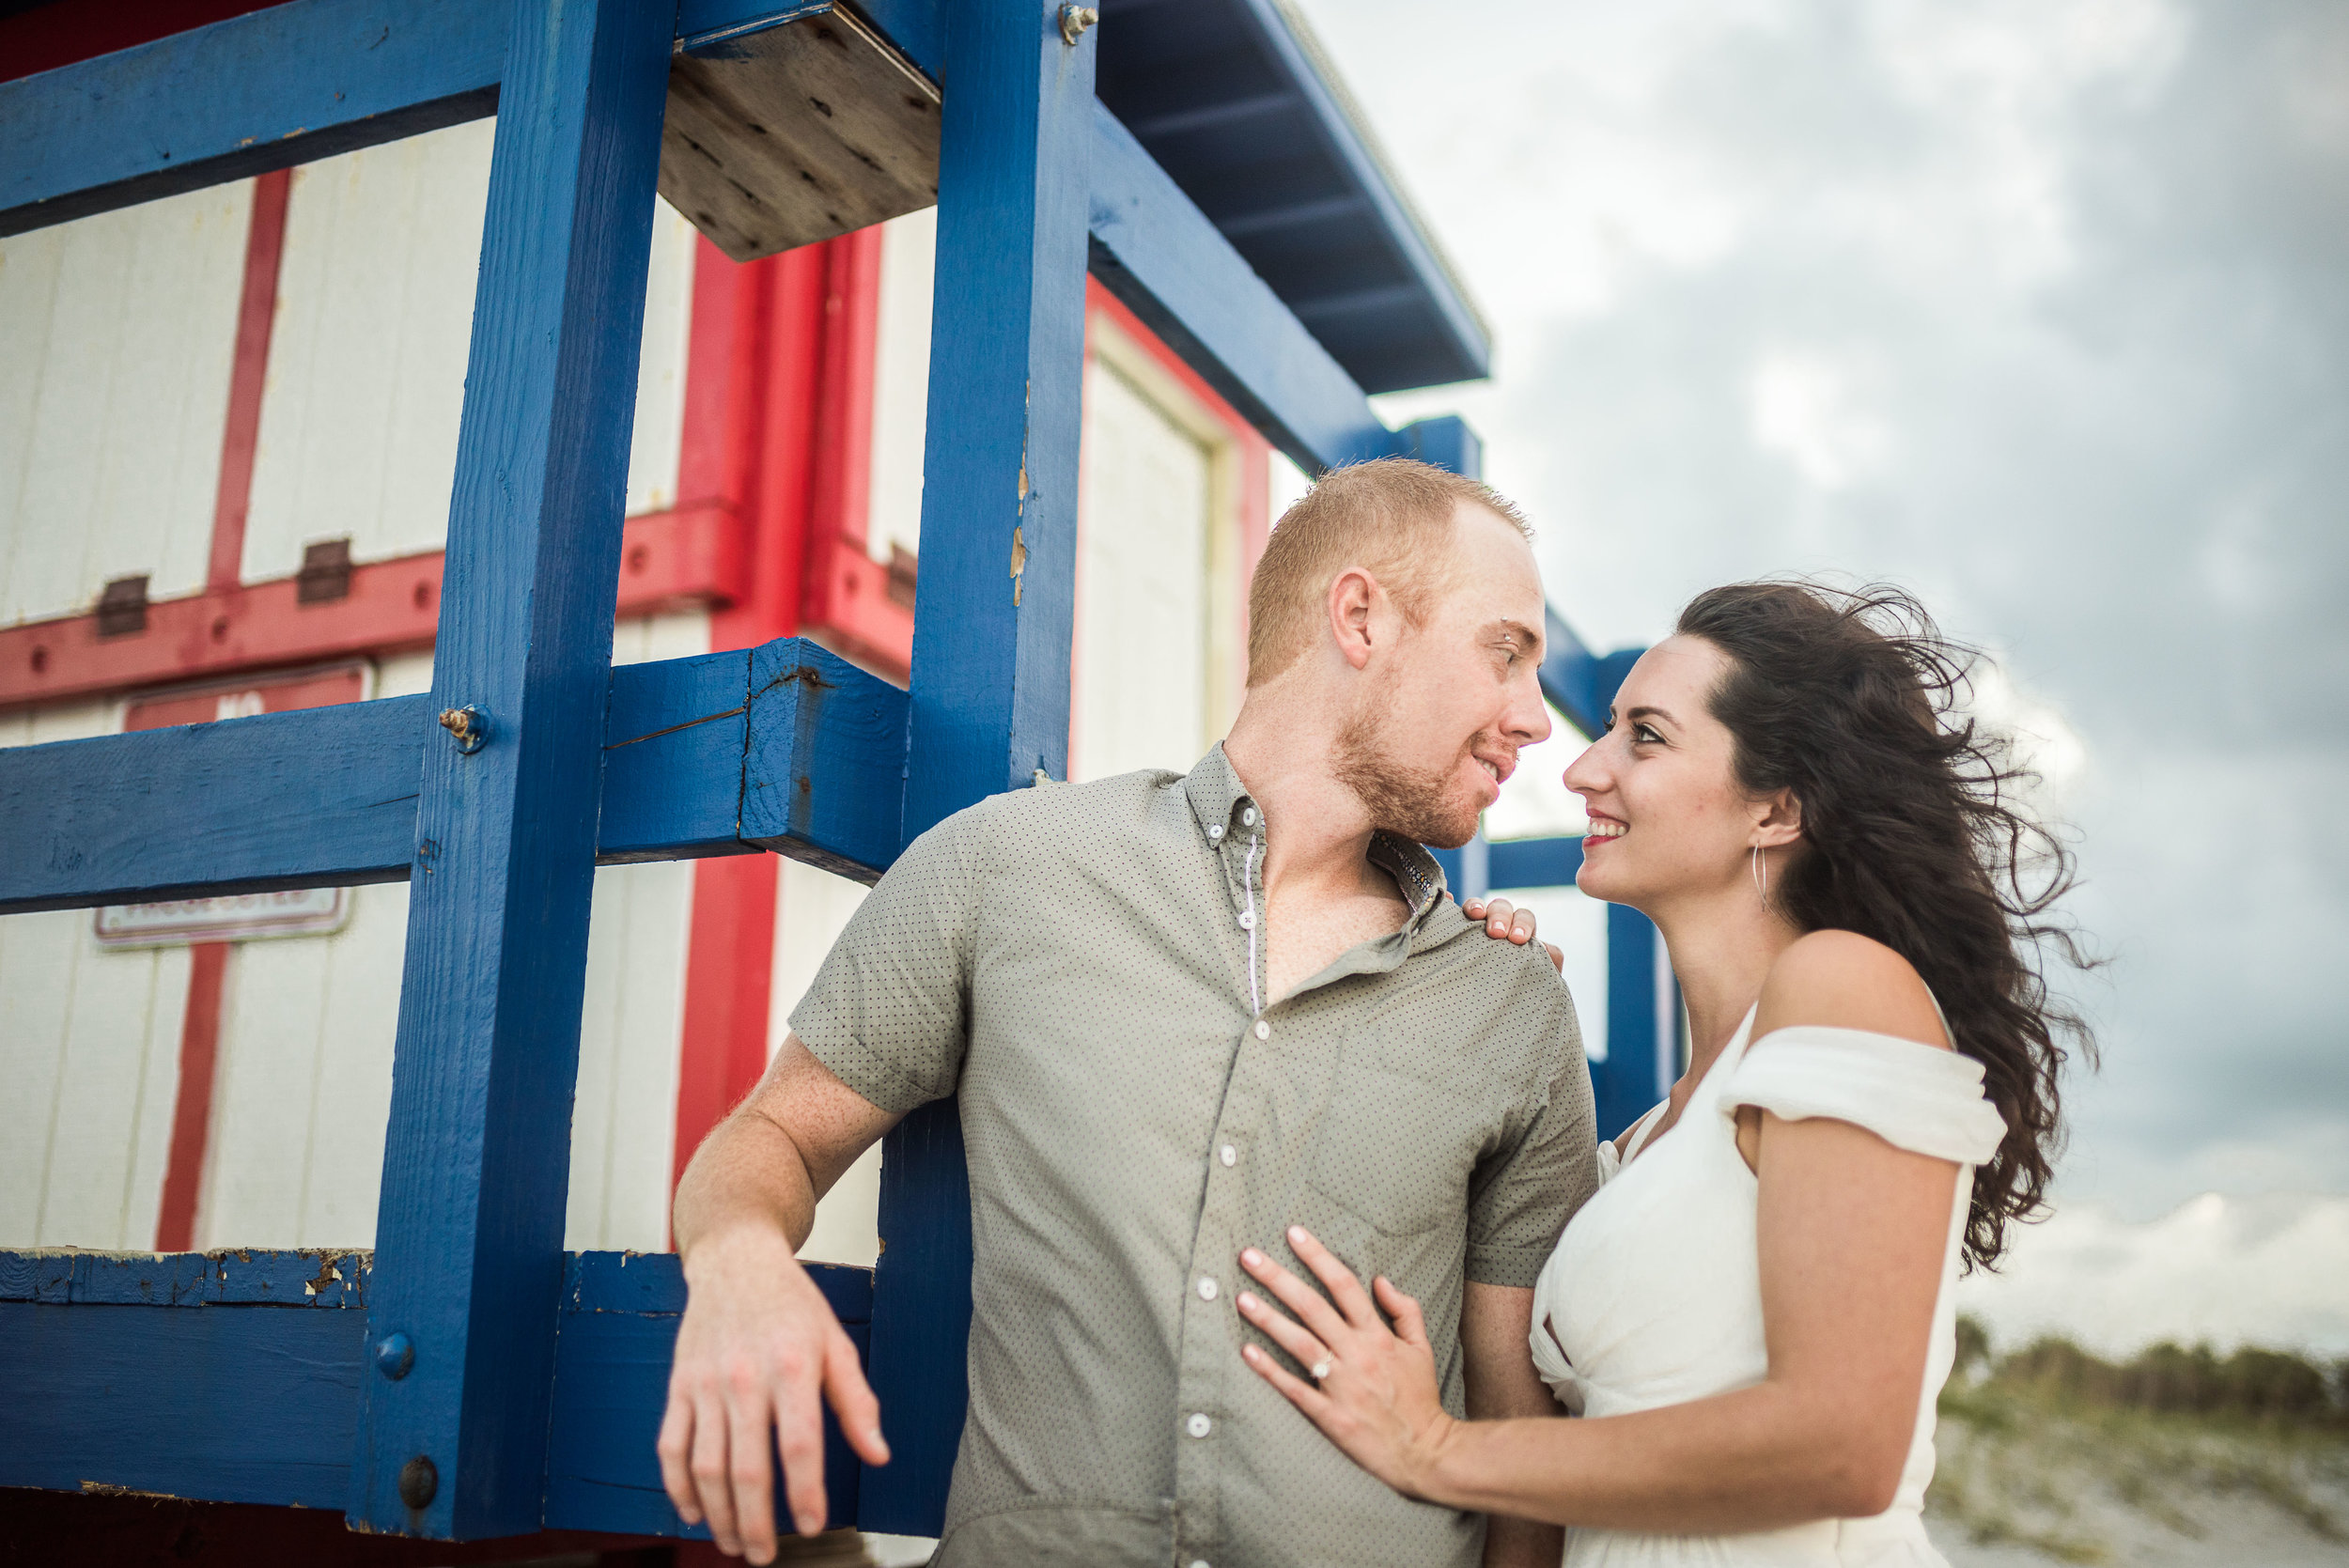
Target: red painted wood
x: 730, y: 387
x: 46, y: 36
x: 257, y: 314
x: 694, y: 556
x: 847, y: 592
x: 192, y: 1115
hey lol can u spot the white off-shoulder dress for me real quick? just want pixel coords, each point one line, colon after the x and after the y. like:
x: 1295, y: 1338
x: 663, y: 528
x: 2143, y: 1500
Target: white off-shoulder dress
x: 1654, y: 1291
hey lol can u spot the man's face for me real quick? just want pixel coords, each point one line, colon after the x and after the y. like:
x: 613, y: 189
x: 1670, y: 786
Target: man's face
x: 1446, y: 707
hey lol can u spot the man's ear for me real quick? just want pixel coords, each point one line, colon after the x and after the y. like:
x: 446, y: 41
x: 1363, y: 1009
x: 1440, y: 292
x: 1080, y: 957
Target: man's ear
x: 1354, y: 594
x: 1777, y: 819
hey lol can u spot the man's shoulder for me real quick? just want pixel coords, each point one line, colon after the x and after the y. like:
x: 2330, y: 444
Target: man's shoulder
x: 1071, y: 812
x: 1489, y: 981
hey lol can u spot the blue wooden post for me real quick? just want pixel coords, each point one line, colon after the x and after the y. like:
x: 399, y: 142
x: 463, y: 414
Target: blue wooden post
x: 468, y: 1243
x: 991, y: 643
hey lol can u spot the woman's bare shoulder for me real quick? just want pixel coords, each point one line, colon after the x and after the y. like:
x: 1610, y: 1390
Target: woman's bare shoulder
x: 1842, y: 980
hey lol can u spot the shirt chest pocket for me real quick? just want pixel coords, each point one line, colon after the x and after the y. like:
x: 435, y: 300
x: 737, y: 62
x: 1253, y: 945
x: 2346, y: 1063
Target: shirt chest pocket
x: 1401, y: 1135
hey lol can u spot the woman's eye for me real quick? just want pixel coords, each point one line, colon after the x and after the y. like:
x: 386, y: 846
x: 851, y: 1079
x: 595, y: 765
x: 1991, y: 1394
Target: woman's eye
x: 1645, y: 733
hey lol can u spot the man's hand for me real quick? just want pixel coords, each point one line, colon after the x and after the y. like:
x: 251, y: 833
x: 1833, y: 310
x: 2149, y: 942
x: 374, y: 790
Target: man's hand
x: 757, y: 1354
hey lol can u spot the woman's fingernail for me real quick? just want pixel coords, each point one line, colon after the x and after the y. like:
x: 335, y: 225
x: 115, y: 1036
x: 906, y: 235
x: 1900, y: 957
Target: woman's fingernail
x: 1250, y: 1256
x: 1250, y: 1351
x: 1248, y: 1302
x: 1297, y: 1232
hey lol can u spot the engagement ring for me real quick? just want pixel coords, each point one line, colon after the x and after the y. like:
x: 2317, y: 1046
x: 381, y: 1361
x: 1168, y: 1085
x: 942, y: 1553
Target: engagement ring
x: 1321, y: 1369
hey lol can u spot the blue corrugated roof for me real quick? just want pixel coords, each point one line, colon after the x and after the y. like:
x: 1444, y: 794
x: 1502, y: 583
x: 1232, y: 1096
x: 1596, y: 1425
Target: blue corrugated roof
x: 1236, y: 104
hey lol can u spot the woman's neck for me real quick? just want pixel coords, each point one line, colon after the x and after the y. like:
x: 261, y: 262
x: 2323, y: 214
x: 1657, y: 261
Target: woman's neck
x: 1721, y: 950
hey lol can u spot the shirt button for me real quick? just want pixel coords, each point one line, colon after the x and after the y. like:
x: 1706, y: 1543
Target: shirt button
x: 1248, y: 817
x: 1248, y: 919
x: 1199, y: 1562
x: 1199, y: 1426
x: 1228, y: 1155
x: 1263, y: 1030
x: 1207, y: 1290
x: 1215, y: 832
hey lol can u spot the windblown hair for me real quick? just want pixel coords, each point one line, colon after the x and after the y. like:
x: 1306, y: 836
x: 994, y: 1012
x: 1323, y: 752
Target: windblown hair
x: 1914, y: 836
x: 1391, y: 515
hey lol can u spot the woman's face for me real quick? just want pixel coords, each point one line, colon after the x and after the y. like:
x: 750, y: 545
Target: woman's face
x: 1668, y: 818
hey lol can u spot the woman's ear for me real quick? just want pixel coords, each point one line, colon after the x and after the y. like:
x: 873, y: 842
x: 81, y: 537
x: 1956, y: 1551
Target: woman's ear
x: 1777, y: 819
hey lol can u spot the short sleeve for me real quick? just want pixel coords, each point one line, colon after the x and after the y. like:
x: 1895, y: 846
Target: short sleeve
x: 889, y: 1010
x: 1914, y: 1096
x: 1522, y: 1196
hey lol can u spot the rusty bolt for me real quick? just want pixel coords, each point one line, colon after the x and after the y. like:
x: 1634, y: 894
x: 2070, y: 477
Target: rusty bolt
x: 1074, y: 20
x: 467, y: 727
x: 419, y: 1482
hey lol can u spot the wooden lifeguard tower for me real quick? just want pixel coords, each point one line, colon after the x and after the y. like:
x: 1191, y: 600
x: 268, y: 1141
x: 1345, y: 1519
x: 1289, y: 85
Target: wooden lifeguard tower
x: 466, y: 1378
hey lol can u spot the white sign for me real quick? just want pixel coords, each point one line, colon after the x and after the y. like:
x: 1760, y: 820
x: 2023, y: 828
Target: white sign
x: 239, y: 916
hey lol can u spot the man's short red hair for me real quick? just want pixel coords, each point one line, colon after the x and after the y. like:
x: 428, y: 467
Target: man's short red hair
x: 1392, y: 516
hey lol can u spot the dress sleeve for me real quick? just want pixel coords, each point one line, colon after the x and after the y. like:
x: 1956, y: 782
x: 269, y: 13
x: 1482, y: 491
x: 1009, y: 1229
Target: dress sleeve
x: 1917, y: 1097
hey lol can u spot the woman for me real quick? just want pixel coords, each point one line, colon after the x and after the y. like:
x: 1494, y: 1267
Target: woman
x: 1755, y: 1312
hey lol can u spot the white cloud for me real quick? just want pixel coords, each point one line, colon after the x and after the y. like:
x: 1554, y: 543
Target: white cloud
x: 2271, y: 1270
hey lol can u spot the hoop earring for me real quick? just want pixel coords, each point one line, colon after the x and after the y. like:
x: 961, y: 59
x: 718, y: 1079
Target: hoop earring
x: 1760, y: 869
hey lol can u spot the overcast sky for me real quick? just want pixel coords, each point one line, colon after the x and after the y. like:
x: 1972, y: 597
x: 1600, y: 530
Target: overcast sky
x: 2040, y: 307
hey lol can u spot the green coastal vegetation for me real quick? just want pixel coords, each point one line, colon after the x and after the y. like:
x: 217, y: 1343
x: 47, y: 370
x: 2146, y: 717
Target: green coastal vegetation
x: 2072, y: 1458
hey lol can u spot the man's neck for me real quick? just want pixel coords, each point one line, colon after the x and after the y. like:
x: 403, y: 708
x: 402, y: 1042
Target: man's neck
x: 1317, y: 833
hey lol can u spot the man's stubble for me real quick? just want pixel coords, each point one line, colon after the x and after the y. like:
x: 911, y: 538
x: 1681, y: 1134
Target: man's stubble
x: 1408, y: 802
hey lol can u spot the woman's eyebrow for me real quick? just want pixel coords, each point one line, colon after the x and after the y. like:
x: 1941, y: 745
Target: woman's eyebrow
x: 1640, y: 714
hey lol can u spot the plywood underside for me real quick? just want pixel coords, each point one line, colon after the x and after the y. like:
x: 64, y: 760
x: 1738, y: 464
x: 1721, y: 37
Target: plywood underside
x: 796, y: 134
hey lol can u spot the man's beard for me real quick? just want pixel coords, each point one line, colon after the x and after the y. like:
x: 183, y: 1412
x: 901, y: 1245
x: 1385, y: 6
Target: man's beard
x: 1410, y: 802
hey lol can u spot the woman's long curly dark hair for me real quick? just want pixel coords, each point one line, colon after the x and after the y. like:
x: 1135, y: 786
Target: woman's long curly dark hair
x: 1851, y: 702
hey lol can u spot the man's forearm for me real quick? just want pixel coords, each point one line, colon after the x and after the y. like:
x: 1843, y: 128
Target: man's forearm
x: 746, y: 1173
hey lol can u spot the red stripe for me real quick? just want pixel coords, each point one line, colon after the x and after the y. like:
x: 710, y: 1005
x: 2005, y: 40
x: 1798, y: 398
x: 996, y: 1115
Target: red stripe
x: 257, y: 314
x: 192, y: 1116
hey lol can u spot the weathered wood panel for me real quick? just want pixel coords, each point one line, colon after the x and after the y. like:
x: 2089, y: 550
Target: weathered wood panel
x: 367, y: 363
x: 119, y: 332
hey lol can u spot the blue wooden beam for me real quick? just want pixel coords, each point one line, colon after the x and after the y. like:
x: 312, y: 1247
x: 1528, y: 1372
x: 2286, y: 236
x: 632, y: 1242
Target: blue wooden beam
x: 112, y: 1376
x: 327, y: 797
x: 470, y: 1223
x: 991, y: 645
x: 1157, y: 253
x: 264, y: 91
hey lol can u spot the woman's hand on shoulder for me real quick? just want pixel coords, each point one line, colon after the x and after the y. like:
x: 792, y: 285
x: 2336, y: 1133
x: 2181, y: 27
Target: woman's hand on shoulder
x: 1506, y: 923
x: 1842, y: 980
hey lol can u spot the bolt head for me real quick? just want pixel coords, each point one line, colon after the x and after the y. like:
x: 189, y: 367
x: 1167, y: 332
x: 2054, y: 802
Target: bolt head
x: 419, y: 1482
x: 394, y: 1354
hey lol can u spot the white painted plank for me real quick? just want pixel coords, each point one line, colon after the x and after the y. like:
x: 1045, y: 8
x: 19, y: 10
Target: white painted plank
x: 902, y: 382
x: 42, y: 962
x: 264, y: 1096
x: 352, y: 1095
x: 114, y: 389
x: 624, y: 1117
x: 1139, y: 671
x: 37, y: 957
x: 660, y: 430
x: 367, y: 365
x: 99, y: 1097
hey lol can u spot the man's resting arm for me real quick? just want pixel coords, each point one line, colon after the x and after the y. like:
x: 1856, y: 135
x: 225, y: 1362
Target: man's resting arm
x: 759, y: 1348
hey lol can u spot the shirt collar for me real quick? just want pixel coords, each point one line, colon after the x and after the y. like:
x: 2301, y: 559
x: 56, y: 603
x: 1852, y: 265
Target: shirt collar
x: 1218, y: 800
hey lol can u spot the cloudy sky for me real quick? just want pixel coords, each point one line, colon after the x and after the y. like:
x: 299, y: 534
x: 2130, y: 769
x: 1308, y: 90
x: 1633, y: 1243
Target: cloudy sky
x: 2038, y: 307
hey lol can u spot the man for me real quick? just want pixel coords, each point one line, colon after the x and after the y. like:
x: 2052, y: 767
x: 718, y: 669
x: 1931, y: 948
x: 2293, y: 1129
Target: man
x: 1183, y: 1012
